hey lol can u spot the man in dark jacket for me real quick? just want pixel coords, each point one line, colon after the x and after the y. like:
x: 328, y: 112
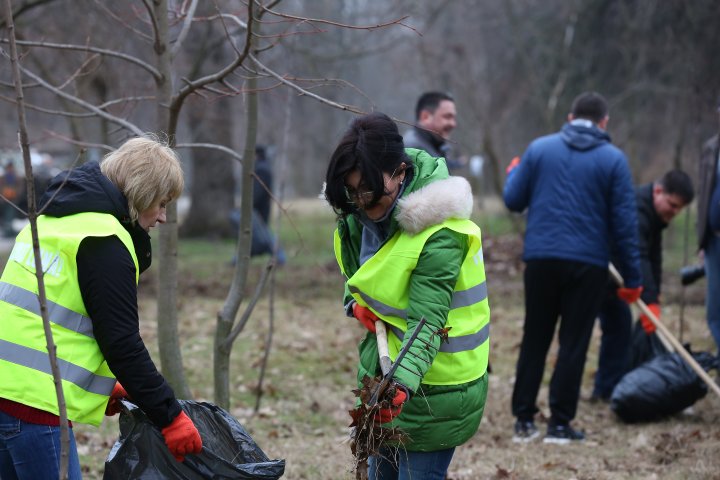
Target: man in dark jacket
x: 577, y: 188
x: 657, y: 203
x: 708, y: 230
x: 435, y: 118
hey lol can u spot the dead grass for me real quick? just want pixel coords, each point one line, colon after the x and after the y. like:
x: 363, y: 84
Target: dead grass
x: 304, y: 414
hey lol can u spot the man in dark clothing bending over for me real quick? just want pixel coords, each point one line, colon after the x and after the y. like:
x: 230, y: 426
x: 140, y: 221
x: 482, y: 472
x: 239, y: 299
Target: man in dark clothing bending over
x: 657, y: 203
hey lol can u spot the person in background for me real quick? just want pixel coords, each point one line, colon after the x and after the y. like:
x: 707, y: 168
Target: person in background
x: 263, y: 240
x: 657, y: 204
x: 578, y: 192
x: 708, y: 229
x: 10, y: 188
x: 95, y: 242
x: 435, y: 118
x: 408, y: 250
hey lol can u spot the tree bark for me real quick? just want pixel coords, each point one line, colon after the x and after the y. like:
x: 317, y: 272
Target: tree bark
x: 32, y: 215
x: 226, y: 317
x: 168, y: 341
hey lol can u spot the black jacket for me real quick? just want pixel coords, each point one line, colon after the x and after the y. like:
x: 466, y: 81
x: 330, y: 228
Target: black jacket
x: 106, y: 275
x: 650, y: 227
x: 706, y: 186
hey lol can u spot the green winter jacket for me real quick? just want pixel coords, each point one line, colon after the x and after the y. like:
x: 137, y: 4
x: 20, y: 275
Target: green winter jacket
x: 437, y: 416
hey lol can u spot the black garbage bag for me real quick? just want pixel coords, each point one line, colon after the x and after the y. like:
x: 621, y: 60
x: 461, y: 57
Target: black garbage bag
x: 228, y: 450
x: 663, y: 386
x: 644, y: 347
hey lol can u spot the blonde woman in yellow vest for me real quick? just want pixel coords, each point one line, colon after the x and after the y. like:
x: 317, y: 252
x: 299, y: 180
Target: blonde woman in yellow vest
x: 94, y: 242
x: 408, y: 250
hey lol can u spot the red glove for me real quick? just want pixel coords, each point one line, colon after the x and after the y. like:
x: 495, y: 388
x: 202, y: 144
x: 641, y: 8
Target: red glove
x: 366, y: 316
x: 181, y: 437
x: 113, y: 406
x: 385, y: 415
x: 646, y: 323
x: 513, y: 165
x: 629, y: 295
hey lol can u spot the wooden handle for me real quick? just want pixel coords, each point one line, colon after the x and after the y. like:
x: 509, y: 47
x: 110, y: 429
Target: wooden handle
x: 668, y: 337
x: 382, y: 343
x: 617, y: 278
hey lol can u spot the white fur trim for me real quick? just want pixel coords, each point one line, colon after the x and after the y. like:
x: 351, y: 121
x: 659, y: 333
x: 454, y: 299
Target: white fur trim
x: 435, y: 203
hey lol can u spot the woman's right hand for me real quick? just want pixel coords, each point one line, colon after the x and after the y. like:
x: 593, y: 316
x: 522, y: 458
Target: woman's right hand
x: 181, y: 437
x: 365, y: 316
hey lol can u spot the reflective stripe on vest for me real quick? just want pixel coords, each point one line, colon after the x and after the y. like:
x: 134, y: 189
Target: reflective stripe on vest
x: 36, y: 360
x: 382, y: 284
x: 25, y: 374
x: 461, y: 299
x: 58, y: 314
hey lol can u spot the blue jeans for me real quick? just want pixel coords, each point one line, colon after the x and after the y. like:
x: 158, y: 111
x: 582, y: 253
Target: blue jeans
x: 399, y: 464
x: 615, y: 344
x: 29, y: 451
x: 712, y: 295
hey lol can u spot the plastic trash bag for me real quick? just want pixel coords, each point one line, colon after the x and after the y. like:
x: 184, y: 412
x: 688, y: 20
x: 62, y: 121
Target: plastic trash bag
x: 644, y: 347
x: 663, y: 386
x: 228, y: 450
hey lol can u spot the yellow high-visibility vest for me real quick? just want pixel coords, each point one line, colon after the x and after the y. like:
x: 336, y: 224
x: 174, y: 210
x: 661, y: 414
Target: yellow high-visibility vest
x: 382, y: 284
x: 25, y: 373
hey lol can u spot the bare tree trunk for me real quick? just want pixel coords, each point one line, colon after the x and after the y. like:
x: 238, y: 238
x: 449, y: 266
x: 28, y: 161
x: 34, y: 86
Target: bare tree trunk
x: 226, y: 316
x: 492, y: 156
x: 32, y: 215
x: 168, y: 341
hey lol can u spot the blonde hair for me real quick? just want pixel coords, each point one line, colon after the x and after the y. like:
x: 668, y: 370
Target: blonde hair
x: 146, y: 170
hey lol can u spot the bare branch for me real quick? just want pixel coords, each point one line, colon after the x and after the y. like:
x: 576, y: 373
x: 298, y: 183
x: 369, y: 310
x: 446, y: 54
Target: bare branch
x: 398, y: 21
x: 158, y: 45
x: 88, y: 106
x: 101, y: 4
x: 24, y: 8
x: 214, y: 146
x: 78, y: 72
x: 192, y: 86
x: 302, y: 91
x: 78, y: 142
x: 185, y: 29
x: 227, y: 344
x: 85, y: 48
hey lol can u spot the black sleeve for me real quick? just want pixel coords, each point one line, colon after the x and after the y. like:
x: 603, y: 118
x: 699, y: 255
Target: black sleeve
x: 649, y: 258
x: 106, y: 274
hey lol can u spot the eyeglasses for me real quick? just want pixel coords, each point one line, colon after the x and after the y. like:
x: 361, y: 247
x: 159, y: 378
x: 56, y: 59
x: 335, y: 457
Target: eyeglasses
x: 356, y: 197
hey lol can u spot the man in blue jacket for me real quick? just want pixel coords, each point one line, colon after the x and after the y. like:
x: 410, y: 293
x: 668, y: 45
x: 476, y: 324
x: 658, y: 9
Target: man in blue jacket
x: 579, y: 195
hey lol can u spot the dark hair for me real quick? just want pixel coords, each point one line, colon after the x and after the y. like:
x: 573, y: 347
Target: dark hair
x: 677, y: 182
x: 590, y: 106
x: 429, y: 101
x: 373, y: 146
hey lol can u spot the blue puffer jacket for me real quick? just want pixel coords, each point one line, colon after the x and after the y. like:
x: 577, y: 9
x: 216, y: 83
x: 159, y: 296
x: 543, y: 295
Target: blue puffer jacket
x: 578, y: 191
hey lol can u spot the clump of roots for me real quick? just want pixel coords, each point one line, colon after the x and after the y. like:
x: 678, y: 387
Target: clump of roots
x: 368, y: 436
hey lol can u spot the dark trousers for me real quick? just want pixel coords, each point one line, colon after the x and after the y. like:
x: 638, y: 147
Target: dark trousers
x: 573, y: 292
x: 615, y: 343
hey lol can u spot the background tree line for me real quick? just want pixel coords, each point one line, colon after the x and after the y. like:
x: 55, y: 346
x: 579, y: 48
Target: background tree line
x: 514, y: 66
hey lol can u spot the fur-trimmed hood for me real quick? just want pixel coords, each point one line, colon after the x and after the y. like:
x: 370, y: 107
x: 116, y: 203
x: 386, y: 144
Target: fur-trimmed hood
x: 434, y: 203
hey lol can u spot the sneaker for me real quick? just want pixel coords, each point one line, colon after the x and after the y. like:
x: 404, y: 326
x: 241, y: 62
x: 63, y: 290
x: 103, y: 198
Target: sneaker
x: 562, y: 435
x: 525, y: 431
